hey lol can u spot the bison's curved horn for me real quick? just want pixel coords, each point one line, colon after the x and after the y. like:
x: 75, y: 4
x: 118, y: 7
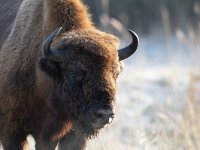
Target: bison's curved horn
x: 130, y: 49
x: 52, y: 54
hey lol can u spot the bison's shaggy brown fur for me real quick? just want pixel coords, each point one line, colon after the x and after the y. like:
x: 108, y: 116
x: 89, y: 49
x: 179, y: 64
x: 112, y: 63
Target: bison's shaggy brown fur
x: 52, y: 100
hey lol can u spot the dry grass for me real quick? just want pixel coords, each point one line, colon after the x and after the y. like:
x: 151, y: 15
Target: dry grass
x: 190, y: 125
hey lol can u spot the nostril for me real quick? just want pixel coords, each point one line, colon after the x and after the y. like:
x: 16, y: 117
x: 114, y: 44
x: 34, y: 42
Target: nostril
x: 104, y: 114
x: 101, y: 117
x: 98, y: 115
x: 111, y: 115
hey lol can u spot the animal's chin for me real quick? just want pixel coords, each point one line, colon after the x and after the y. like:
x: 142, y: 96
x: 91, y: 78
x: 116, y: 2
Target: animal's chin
x: 97, y: 126
x: 86, y: 129
x: 92, y: 129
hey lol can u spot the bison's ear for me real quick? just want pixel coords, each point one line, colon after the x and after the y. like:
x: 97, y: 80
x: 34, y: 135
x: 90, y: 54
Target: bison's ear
x: 53, y: 69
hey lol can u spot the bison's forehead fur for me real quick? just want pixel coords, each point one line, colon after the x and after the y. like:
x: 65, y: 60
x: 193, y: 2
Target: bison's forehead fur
x: 91, y: 50
x: 91, y: 41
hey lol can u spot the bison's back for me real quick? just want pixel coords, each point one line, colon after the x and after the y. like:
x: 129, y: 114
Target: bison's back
x: 20, y: 51
x: 8, y: 11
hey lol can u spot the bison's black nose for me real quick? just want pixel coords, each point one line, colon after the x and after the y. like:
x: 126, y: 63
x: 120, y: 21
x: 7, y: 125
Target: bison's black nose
x: 102, y: 117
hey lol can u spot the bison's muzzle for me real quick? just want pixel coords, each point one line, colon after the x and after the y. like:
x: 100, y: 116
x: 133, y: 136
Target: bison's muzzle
x: 98, y: 115
x: 101, y: 118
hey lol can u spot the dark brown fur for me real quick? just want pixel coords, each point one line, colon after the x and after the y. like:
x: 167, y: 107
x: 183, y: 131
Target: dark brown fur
x: 36, y: 95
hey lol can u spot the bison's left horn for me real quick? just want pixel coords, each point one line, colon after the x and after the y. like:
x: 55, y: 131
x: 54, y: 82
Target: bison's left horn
x: 52, y: 54
x: 130, y: 49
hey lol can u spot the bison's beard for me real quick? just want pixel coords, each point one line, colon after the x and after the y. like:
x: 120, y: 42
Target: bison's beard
x: 84, y: 129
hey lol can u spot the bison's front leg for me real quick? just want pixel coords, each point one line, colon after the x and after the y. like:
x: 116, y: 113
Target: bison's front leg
x: 45, y: 145
x: 44, y: 141
x: 13, y: 140
x: 72, y: 142
x: 44, y: 137
x: 11, y: 131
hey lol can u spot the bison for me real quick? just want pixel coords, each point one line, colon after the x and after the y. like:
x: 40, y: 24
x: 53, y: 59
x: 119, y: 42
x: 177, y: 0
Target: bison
x: 57, y: 84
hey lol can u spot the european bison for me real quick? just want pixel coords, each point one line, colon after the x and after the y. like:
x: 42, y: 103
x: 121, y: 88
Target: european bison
x: 59, y: 86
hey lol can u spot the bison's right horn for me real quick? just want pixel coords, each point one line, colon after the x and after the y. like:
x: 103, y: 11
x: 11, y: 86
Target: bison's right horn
x: 52, y: 54
x: 130, y: 49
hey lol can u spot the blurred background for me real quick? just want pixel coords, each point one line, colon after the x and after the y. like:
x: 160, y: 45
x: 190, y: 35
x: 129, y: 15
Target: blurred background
x: 159, y: 89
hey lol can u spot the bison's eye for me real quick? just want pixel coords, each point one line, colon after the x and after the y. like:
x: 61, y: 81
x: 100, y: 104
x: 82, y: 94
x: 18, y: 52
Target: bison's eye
x: 75, y: 77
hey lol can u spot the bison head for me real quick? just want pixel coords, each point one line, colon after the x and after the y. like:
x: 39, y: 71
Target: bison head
x: 84, y: 66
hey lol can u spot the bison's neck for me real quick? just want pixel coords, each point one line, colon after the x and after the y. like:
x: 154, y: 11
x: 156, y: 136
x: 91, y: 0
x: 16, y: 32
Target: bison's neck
x: 70, y: 14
